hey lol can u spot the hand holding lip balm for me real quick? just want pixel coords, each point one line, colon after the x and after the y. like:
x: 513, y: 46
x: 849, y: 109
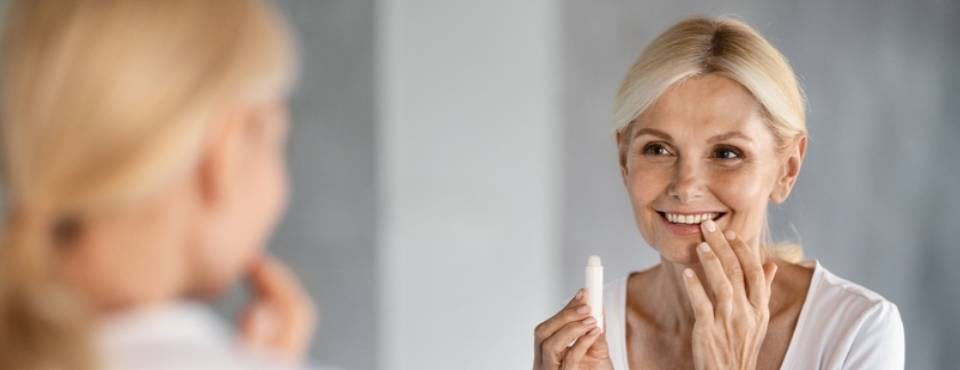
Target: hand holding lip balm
x: 594, y: 285
x: 573, y: 337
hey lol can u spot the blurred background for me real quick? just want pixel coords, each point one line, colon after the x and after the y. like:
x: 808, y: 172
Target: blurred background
x: 453, y: 165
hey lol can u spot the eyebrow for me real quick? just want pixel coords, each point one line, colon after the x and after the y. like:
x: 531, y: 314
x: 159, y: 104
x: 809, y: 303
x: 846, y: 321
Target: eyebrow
x: 666, y: 136
x: 654, y: 132
x: 729, y: 135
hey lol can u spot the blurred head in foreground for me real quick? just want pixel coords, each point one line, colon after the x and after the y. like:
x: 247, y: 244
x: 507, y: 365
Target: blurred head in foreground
x: 142, y: 151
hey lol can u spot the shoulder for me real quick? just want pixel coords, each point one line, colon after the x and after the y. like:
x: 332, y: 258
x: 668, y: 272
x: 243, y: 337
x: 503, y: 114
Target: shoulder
x: 844, y: 297
x: 182, y: 336
x: 857, y: 326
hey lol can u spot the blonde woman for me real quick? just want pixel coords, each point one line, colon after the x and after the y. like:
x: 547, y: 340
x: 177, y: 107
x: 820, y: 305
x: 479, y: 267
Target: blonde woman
x: 143, y: 158
x: 710, y: 130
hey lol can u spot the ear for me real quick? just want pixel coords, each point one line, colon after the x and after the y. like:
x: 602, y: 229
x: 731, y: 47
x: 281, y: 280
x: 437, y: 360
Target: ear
x: 790, y: 170
x: 217, y: 173
x: 621, y: 153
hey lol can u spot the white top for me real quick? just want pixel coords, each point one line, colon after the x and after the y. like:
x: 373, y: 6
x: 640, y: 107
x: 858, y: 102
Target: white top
x: 842, y: 325
x: 187, y: 336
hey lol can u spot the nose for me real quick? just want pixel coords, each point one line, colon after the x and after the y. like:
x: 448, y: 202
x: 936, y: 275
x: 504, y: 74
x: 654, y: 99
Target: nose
x: 687, y: 184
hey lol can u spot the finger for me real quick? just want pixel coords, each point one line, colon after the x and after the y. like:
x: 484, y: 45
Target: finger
x: 544, y: 329
x: 769, y: 272
x: 721, y: 247
x: 716, y: 279
x: 555, y: 347
x: 270, y: 278
x: 599, y: 347
x: 756, y: 287
x: 258, y: 325
x: 575, y: 354
x: 275, y: 286
x: 577, y: 309
x: 699, y: 302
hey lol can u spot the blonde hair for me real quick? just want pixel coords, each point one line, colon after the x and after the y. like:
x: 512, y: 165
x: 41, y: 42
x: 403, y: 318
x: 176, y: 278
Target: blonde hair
x: 729, y: 48
x: 102, y: 102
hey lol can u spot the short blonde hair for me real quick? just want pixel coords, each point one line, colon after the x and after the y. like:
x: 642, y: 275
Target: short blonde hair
x: 102, y: 102
x: 725, y: 47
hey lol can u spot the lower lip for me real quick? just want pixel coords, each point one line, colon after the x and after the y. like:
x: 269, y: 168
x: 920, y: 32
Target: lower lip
x: 683, y: 229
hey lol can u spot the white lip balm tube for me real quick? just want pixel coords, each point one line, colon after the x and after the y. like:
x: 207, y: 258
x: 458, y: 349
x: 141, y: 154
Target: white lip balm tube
x: 594, y: 285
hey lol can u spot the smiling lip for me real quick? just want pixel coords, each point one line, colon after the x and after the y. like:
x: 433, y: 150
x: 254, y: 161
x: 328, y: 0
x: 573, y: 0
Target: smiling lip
x: 681, y: 229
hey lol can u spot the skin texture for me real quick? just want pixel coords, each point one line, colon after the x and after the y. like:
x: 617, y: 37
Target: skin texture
x: 201, y: 232
x: 704, y: 146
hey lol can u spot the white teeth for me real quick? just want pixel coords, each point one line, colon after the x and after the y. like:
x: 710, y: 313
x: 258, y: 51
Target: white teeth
x: 689, y: 219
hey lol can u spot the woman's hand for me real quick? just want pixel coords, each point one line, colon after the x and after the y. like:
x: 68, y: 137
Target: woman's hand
x: 280, y: 319
x: 729, y: 331
x: 571, y: 339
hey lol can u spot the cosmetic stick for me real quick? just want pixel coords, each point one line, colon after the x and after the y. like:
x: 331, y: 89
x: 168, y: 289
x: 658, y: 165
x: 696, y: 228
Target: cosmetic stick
x: 594, y: 285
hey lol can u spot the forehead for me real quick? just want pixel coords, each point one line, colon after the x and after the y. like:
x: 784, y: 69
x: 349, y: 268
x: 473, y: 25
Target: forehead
x: 706, y: 104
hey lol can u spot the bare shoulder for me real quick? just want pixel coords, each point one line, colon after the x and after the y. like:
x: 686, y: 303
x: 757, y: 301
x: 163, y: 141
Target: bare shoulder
x: 638, y: 281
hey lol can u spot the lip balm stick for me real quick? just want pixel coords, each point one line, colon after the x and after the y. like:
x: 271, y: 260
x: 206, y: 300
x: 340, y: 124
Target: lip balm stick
x: 594, y: 285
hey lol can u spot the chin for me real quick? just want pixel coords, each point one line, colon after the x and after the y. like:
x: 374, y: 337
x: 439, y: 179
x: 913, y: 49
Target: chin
x: 673, y: 248
x: 212, y: 289
x: 680, y: 252
x: 216, y: 282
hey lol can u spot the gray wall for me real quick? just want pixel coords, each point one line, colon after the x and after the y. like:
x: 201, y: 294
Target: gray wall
x: 873, y: 204
x: 876, y: 201
x: 328, y: 235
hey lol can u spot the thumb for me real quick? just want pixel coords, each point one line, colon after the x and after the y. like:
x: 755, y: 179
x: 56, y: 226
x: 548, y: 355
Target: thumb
x: 769, y: 271
x: 259, y: 325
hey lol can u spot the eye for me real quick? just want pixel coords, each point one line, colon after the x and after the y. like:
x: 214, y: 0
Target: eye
x: 727, y: 153
x: 656, y: 150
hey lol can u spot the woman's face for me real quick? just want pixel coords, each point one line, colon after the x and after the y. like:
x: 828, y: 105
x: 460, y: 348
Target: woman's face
x: 702, y: 151
x: 254, y: 200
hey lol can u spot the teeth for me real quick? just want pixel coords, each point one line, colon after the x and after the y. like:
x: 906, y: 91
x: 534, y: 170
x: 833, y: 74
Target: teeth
x: 689, y: 219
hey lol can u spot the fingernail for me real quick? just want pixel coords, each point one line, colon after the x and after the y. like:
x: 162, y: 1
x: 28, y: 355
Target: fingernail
x: 688, y: 273
x: 583, y: 309
x: 704, y: 247
x: 710, y: 225
x: 730, y: 235
x: 589, y: 321
x: 594, y: 331
x: 579, y: 294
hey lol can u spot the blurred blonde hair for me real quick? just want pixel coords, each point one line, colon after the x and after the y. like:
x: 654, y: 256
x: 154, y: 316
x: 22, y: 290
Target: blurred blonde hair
x: 102, y: 102
x: 729, y: 48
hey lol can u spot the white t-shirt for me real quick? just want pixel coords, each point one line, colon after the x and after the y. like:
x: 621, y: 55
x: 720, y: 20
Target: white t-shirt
x: 182, y: 336
x: 841, y: 326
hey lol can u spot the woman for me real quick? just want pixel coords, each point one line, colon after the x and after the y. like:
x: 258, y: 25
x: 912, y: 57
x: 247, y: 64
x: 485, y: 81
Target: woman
x: 143, y: 158
x: 710, y: 129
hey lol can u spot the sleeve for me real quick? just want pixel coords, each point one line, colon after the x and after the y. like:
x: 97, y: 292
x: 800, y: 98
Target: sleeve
x: 879, y: 343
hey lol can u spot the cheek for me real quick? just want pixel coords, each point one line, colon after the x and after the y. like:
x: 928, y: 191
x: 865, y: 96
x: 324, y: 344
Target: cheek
x: 270, y: 194
x: 644, y: 185
x: 746, y: 192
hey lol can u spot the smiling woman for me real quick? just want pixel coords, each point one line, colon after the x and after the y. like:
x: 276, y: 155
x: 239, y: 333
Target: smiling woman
x: 711, y: 129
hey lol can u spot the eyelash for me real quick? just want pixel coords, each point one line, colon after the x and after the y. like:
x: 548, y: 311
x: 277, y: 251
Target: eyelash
x: 652, y: 149
x: 729, y: 149
x: 647, y: 149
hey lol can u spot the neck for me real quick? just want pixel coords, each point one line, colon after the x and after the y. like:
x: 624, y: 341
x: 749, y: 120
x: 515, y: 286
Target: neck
x: 671, y: 310
x: 128, y: 259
